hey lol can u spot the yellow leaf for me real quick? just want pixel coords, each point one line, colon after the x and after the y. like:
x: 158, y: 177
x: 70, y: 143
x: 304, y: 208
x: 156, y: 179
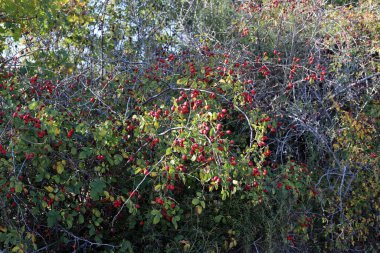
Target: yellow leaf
x: 182, y: 81
x: 56, y: 130
x: 198, y: 210
x: 49, y: 188
x: 3, y: 229
x: 60, y: 168
x: 103, y: 132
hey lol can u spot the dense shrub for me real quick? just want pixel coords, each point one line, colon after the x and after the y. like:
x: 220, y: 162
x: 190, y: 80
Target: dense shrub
x: 129, y: 126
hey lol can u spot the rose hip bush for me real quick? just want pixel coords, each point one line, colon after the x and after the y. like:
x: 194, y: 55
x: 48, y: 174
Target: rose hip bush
x: 82, y: 168
x: 258, y: 133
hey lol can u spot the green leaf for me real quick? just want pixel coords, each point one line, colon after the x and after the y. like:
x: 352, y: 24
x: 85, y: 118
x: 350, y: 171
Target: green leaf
x: 168, y: 151
x: 82, y: 155
x: 74, y: 151
x: 52, y: 218
x: 97, y: 188
x: 118, y: 159
x: 18, y: 187
x: 69, y: 221
x: 174, y: 221
x: 156, y: 219
x: 126, y: 246
x: 218, y: 218
x: 80, y: 219
x: 33, y: 105
x: 96, y: 212
x: 195, y: 201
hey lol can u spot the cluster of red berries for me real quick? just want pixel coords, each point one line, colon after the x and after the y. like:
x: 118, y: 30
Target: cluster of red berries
x: 2, y: 150
x: 38, y: 87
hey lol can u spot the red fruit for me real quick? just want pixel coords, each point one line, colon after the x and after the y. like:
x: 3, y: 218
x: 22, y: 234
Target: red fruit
x: 41, y: 134
x: 2, y: 150
x: 184, y: 157
x: 158, y: 200
x: 92, y: 100
x: 29, y: 156
x: 224, y: 111
x: 228, y: 132
x: 216, y: 179
x: 255, y: 172
x: 100, y: 157
x: 291, y: 238
x: 70, y: 133
x: 117, y: 203
x: 171, y: 57
x: 195, y: 146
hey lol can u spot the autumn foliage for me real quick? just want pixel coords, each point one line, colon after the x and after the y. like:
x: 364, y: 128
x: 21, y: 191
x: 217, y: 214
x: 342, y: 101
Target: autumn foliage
x: 256, y: 134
